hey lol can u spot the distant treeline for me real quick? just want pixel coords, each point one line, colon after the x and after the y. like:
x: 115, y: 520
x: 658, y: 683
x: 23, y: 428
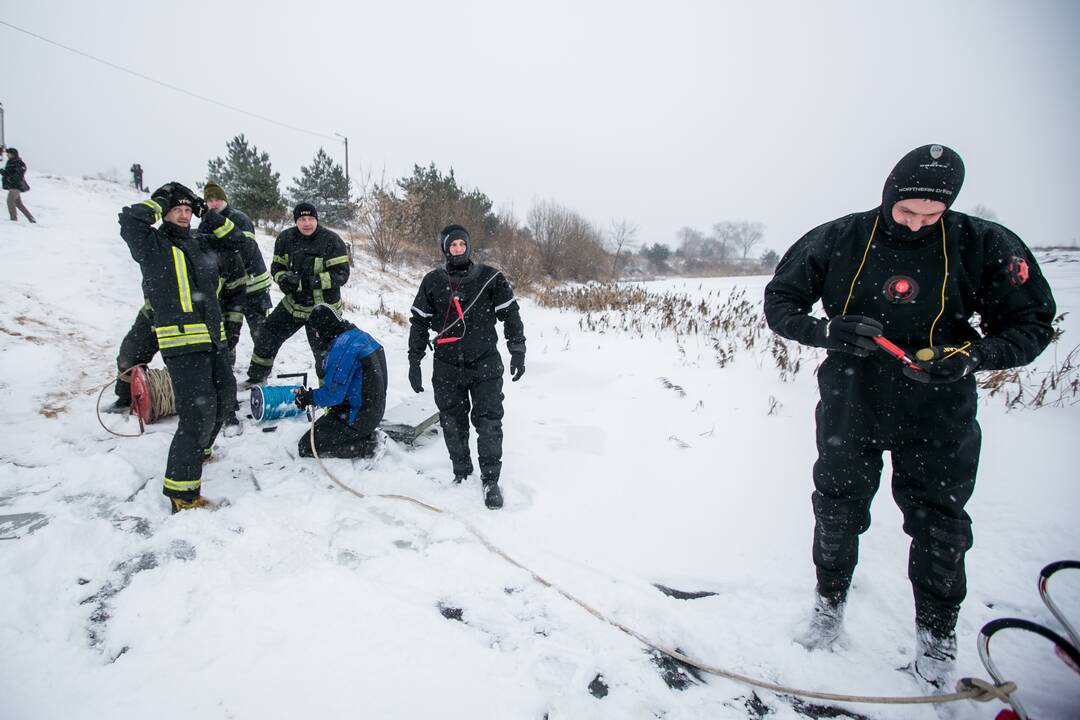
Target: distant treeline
x: 398, y: 220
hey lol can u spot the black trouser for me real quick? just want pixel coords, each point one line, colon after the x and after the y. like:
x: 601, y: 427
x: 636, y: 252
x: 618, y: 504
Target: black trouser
x: 335, y: 436
x: 454, y: 387
x: 281, y: 325
x: 138, y: 347
x: 204, y: 389
x: 934, y: 442
x: 256, y: 307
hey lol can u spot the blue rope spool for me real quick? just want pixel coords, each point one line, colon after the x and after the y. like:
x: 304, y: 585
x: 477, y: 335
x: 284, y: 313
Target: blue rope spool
x: 274, y: 402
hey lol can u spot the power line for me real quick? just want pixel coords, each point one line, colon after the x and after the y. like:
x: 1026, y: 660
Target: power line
x: 167, y: 85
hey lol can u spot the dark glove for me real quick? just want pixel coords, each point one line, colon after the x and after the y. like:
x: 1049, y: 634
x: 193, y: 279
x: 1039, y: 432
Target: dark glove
x: 851, y: 334
x: 143, y: 212
x: 943, y: 364
x: 211, y: 219
x: 311, y: 282
x: 232, y: 334
x: 304, y: 397
x: 517, y: 366
x: 415, y: 378
x: 289, y: 282
x: 171, y: 191
x: 198, y: 206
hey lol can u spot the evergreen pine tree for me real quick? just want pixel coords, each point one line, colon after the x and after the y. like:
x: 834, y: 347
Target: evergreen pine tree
x: 249, y: 179
x: 323, y: 184
x: 440, y: 200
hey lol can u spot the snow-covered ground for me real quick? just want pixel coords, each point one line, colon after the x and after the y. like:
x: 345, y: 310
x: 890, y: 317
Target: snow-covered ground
x: 300, y: 600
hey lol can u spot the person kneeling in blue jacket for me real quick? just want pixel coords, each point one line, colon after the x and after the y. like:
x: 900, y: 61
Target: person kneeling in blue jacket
x: 353, y: 388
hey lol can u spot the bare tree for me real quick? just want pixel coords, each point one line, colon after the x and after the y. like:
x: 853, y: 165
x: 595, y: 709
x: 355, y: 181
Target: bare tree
x: 567, y: 245
x: 547, y: 222
x: 621, y: 233
x: 388, y: 220
x: 515, y: 250
x: 691, y: 241
x: 981, y: 211
x: 739, y: 233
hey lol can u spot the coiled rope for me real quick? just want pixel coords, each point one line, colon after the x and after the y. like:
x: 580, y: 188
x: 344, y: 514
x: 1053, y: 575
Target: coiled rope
x: 966, y: 688
x: 160, y: 389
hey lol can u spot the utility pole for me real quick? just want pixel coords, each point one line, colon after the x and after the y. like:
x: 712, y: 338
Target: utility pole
x: 348, y: 186
x: 2, y: 143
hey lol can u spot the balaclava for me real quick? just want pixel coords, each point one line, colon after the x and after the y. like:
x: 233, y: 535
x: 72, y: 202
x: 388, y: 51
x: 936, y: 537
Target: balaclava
x: 326, y: 323
x: 449, y: 234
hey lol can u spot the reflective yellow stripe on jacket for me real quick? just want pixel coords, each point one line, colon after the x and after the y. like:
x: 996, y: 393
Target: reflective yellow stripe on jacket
x: 302, y: 312
x: 225, y: 229
x: 171, y: 336
x: 258, y: 282
x: 180, y: 264
x: 155, y: 207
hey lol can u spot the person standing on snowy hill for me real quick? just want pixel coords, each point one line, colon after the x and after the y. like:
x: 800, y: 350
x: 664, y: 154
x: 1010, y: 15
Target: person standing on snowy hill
x: 137, y: 176
x: 14, y: 181
x: 465, y: 299
x: 257, y: 298
x: 354, y: 389
x: 310, y: 265
x: 913, y: 272
x: 180, y: 280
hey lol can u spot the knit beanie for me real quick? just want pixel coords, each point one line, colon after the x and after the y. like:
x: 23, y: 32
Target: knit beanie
x: 304, y: 208
x: 173, y: 194
x: 213, y: 191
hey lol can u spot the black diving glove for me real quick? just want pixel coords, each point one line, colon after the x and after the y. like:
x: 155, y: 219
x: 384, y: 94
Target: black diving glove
x: 851, y: 334
x: 944, y: 364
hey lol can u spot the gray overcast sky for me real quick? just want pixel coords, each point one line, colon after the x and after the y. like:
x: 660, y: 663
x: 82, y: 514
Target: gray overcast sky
x: 666, y: 113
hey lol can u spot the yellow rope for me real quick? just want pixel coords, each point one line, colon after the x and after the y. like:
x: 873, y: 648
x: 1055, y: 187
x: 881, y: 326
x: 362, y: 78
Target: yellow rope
x: 944, y: 280
x: 866, y: 252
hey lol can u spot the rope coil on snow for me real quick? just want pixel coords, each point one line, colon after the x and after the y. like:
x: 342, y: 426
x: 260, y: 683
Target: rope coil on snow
x: 162, y: 402
x: 966, y: 688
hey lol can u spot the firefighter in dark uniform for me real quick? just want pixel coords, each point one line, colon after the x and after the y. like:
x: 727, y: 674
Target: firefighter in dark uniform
x: 140, y: 345
x: 353, y: 389
x: 912, y: 272
x: 460, y: 304
x: 180, y: 280
x: 257, y: 303
x: 310, y: 265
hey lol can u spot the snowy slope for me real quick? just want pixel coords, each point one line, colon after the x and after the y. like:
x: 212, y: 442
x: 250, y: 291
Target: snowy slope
x: 301, y: 600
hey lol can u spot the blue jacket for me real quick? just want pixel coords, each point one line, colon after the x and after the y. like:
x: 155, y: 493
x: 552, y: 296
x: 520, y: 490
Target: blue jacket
x: 344, y: 378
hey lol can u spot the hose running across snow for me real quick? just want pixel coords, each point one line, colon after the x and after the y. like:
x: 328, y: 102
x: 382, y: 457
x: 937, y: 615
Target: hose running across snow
x: 966, y: 688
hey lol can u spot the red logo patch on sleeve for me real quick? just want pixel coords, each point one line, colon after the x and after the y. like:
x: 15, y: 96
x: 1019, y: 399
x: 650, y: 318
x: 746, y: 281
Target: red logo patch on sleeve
x: 1019, y: 272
